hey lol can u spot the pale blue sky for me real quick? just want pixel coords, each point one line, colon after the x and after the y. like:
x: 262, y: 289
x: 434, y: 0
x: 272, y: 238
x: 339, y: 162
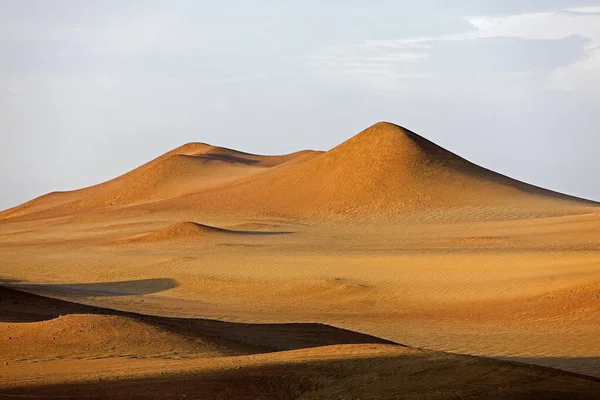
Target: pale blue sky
x: 92, y: 89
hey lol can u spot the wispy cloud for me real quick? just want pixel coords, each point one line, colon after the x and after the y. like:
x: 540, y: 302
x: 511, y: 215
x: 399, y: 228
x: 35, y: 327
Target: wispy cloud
x: 399, y: 59
x: 368, y: 64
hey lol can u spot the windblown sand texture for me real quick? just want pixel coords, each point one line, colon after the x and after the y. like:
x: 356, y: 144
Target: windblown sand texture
x: 224, y: 266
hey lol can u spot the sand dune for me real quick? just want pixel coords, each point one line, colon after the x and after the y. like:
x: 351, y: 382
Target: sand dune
x: 187, y: 169
x: 384, y: 170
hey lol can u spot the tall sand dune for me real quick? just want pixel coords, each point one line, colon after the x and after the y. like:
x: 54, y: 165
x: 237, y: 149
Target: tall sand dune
x: 383, y: 170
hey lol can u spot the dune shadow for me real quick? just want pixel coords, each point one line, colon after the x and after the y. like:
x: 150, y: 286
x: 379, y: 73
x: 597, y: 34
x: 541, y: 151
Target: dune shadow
x: 100, y: 289
x: 18, y: 306
x: 228, y: 158
x: 588, y: 366
x: 278, y: 337
x: 470, y: 169
x: 261, y: 233
x: 8, y: 281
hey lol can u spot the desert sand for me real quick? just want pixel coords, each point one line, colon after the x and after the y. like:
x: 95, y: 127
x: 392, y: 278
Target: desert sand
x: 386, y: 267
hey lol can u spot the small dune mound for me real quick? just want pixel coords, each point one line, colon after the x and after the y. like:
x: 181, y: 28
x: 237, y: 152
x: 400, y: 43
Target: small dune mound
x: 183, y: 231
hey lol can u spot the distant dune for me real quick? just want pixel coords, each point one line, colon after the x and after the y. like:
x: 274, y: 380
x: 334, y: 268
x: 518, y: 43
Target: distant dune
x: 191, y: 168
x: 383, y: 170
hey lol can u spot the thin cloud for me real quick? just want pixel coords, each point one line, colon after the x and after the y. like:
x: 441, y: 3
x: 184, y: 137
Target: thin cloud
x: 394, y: 56
x: 367, y: 64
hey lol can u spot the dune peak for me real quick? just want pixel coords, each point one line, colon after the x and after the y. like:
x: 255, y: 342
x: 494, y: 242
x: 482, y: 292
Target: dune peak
x: 385, y: 140
x: 192, y: 148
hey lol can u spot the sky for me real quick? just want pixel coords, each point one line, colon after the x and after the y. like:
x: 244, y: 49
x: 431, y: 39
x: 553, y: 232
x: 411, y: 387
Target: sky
x: 92, y: 89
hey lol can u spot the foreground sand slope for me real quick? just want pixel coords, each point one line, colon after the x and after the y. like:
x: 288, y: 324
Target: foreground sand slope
x: 364, y: 367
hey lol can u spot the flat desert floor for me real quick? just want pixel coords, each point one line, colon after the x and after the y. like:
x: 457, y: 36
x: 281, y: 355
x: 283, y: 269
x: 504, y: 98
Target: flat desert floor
x: 374, y: 270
